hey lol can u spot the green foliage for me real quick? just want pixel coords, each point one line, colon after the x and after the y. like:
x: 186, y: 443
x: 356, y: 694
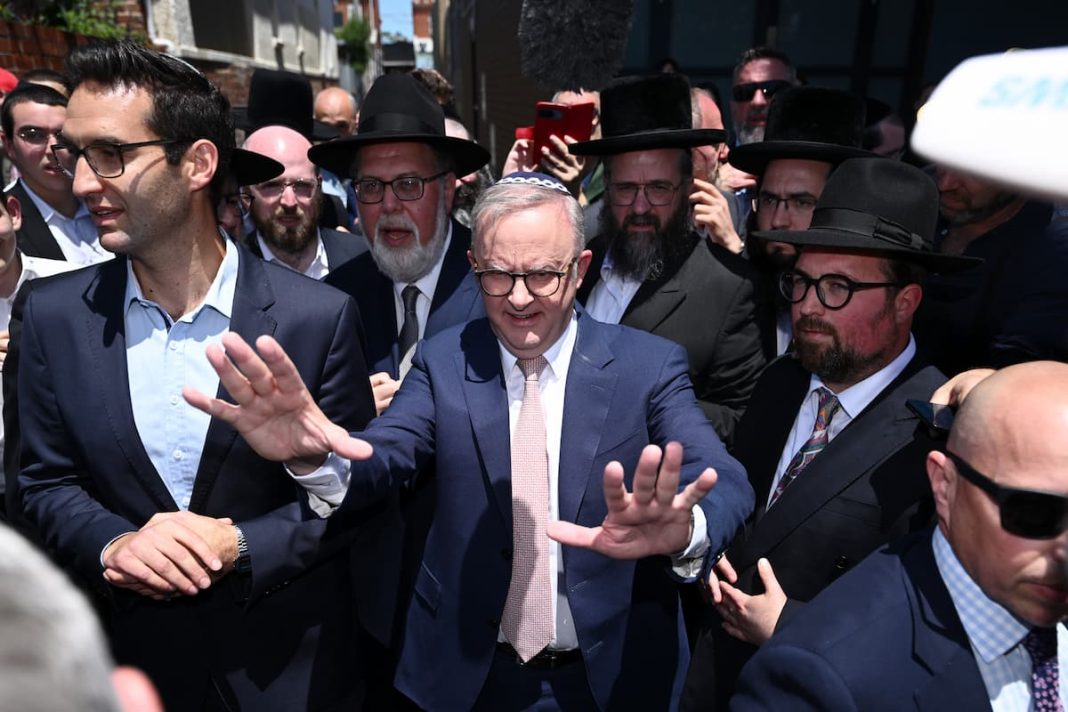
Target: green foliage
x: 355, y: 34
x: 93, y: 18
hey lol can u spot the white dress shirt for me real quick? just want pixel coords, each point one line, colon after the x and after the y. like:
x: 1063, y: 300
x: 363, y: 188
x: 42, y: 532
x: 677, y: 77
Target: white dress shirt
x: 853, y: 401
x: 319, y: 267
x: 427, y: 284
x: 611, y: 295
x: 77, y: 237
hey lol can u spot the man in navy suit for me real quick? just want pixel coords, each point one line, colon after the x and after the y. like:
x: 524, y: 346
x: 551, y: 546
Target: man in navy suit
x: 610, y: 401
x: 218, y: 580
x: 970, y: 617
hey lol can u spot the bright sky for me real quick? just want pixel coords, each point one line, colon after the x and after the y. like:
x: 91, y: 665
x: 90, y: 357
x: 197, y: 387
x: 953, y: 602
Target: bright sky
x: 396, y: 16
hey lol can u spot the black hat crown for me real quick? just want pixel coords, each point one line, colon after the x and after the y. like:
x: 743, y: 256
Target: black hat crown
x: 277, y: 98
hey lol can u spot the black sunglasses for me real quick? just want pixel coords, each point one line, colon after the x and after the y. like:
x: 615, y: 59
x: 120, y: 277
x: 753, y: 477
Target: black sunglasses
x: 746, y: 91
x: 1031, y: 514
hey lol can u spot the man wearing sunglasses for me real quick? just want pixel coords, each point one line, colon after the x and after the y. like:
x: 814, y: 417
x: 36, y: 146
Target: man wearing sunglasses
x: 56, y: 225
x: 832, y: 451
x: 285, y: 209
x: 969, y: 616
x: 216, y: 578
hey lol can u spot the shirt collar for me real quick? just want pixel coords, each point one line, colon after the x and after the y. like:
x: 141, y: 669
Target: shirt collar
x: 558, y: 355
x: 220, y: 295
x: 319, y: 259
x: 429, y: 281
x: 858, y: 396
x: 992, y: 629
x: 48, y: 213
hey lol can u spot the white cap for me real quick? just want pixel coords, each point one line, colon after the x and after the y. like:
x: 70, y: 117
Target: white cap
x: 1003, y: 118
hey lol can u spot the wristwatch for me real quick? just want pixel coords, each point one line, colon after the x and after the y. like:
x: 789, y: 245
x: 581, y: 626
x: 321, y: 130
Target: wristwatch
x: 243, y: 565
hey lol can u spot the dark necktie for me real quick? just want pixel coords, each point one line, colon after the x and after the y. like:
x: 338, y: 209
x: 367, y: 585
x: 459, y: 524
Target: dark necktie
x: 1041, y: 644
x: 828, y: 406
x: 409, y: 332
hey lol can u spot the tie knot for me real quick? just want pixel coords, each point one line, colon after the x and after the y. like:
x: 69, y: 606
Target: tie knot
x: 1041, y: 644
x: 532, y: 367
x: 409, y: 295
x: 828, y: 402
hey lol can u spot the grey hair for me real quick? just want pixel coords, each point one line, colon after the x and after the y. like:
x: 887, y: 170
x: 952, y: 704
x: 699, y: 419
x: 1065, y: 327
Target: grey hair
x: 53, y: 657
x: 505, y: 198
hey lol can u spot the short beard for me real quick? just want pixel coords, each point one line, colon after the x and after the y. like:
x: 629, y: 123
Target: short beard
x: 974, y: 215
x: 836, y: 364
x: 291, y: 240
x: 646, y: 255
x: 410, y: 263
x: 753, y: 134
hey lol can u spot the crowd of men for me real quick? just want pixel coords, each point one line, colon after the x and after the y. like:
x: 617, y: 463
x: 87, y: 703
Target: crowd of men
x: 333, y: 420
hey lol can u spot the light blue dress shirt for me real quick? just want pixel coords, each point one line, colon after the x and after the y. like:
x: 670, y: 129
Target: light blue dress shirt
x: 162, y: 356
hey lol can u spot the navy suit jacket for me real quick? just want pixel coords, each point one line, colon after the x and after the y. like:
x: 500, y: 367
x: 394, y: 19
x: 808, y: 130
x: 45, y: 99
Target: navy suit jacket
x: 279, y: 638
x: 456, y: 300
x: 34, y: 238
x: 625, y: 389
x: 885, y: 636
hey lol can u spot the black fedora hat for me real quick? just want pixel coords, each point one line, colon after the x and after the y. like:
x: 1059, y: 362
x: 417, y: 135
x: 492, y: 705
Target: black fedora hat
x: 250, y: 168
x: 277, y: 98
x: 645, y: 113
x: 808, y: 123
x: 399, y: 108
x: 881, y: 206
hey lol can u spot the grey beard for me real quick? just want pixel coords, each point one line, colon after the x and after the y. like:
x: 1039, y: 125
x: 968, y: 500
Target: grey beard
x: 753, y: 135
x: 412, y: 263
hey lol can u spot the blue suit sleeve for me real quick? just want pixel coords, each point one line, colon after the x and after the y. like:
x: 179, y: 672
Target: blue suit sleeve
x: 783, y: 677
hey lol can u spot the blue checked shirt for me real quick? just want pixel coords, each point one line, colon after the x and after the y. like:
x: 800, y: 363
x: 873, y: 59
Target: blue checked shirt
x: 995, y: 636
x: 162, y: 356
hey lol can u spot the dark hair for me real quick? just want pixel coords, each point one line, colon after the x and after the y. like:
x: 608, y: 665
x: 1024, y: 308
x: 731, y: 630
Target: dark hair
x: 27, y: 93
x: 436, y: 82
x: 185, y: 105
x: 904, y: 272
x: 754, y: 53
x: 43, y: 74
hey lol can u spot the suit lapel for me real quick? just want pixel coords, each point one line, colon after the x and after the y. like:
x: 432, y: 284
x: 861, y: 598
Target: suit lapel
x: 106, y: 327
x: 252, y: 298
x: 774, y: 426
x: 484, y: 391
x: 453, y: 287
x: 656, y: 299
x: 587, y: 398
x: 34, y: 238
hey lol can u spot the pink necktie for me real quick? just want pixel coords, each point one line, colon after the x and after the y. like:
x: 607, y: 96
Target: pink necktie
x: 527, y: 622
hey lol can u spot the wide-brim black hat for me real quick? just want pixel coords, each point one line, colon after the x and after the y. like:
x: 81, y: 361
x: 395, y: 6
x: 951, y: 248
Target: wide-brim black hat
x: 399, y: 108
x: 646, y: 113
x: 881, y: 206
x: 277, y: 98
x: 807, y: 123
x: 250, y: 168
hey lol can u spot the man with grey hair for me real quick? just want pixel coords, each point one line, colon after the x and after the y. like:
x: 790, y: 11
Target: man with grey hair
x: 530, y: 414
x: 53, y: 654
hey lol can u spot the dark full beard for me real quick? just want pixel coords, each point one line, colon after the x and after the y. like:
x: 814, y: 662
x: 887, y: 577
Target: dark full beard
x: 835, y: 363
x: 967, y: 217
x: 294, y: 240
x: 646, y: 255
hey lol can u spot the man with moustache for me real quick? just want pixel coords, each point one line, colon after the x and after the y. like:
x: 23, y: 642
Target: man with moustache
x: 650, y: 269
x: 285, y: 209
x: 810, y: 130
x: 830, y: 447
x: 55, y: 224
x: 415, y: 281
x: 1012, y: 308
x: 969, y: 616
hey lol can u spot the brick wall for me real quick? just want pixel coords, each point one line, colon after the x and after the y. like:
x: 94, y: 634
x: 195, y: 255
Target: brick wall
x: 25, y: 47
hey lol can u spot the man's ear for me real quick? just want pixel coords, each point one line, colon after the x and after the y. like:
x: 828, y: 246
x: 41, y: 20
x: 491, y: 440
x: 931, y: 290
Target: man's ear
x: 14, y: 211
x: 943, y: 486
x: 203, y: 161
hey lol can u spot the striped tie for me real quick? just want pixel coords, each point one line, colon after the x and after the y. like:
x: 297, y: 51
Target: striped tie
x: 828, y: 406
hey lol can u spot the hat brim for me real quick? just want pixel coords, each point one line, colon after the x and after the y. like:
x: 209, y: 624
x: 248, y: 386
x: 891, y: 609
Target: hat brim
x: 323, y: 132
x: 338, y: 156
x: 754, y: 158
x: 841, y: 240
x: 648, y: 140
x: 250, y: 168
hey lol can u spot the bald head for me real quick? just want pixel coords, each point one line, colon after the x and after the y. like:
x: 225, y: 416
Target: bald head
x: 706, y: 115
x: 1012, y: 429
x: 337, y: 107
x: 284, y: 145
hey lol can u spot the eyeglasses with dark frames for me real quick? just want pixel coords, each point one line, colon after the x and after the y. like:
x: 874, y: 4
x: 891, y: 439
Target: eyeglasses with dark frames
x: 373, y: 190
x: 747, y: 90
x: 303, y: 188
x: 104, y: 158
x: 833, y: 290
x: 540, y: 283
x: 769, y: 202
x: 657, y: 192
x: 1027, y: 513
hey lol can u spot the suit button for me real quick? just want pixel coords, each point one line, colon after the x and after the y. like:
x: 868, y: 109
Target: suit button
x: 506, y: 554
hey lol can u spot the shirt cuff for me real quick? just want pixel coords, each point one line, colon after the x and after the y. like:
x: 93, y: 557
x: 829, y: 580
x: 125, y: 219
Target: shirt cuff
x: 687, y: 563
x: 326, y: 486
x: 120, y: 536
